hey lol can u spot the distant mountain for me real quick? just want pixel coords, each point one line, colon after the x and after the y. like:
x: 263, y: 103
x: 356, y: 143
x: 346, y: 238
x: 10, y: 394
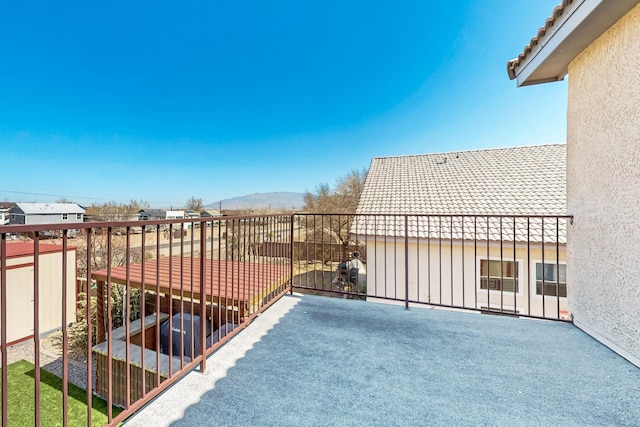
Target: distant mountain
x: 278, y: 201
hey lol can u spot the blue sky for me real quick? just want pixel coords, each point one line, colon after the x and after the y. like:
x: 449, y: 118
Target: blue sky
x: 162, y: 101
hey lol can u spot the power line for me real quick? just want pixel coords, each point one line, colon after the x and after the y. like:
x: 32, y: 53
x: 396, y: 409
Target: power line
x: 77, y: 197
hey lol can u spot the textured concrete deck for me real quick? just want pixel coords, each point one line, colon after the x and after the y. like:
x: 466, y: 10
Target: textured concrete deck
x: 312, y: 360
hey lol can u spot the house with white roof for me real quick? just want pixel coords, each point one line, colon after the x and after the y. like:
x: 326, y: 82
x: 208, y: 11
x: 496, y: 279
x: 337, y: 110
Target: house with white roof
x: 481, y: 212
x: 597, y: 44
x: 151, y: 214
x: 46, y: 213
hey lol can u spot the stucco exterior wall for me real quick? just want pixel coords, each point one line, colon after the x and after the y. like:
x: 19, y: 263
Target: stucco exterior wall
x: 20, y: 284
x: 603, y: 187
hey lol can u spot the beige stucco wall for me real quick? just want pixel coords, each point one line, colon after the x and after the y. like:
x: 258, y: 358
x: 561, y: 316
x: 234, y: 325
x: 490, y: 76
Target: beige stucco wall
x: 20, y: 304
x: 603, y: 187
x: 445, y: 274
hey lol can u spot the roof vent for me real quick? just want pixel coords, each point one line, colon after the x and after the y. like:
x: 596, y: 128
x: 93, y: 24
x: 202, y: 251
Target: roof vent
x: 441, y: 162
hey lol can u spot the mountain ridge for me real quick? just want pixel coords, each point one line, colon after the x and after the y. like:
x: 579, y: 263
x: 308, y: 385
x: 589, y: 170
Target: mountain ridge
x: 276, y: 200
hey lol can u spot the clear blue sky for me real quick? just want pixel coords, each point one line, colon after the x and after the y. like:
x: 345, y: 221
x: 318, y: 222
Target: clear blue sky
x: 165, y: 100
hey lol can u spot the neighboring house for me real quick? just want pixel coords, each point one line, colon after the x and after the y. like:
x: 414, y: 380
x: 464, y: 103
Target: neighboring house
x: 508, y: 181
x: 210, y: 213
x: 151, y: 214
x: 4, y: 212
x: 597, y: 43
x: 46, y: 213
x: 190, y: 213
x: 175, y: 214
x: 20, y: 288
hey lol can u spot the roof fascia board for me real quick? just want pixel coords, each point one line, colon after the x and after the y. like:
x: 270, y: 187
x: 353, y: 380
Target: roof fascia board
x: 584, y: 23
x: 550, y: 44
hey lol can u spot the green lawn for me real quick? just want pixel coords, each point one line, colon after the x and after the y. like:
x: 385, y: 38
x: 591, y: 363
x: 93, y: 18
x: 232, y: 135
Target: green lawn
x: 21, y: 387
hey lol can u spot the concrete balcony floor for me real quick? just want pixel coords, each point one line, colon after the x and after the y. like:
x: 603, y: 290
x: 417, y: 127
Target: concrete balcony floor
x: 312, y: 360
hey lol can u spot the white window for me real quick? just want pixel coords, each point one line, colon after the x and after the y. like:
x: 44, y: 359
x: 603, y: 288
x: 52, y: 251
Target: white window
x: 64, y: 217
x: 499, y: 276
x: 78, y: 216
x: 547, y: 278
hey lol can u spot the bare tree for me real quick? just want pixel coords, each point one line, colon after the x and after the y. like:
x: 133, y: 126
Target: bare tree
x: 194, y: 204
x: 343, y: 198
x: 114, y: 211
x: 341, y: 201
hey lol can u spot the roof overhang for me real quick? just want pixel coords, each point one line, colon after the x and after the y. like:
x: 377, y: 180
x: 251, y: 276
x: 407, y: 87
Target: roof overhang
x: 574, y: 25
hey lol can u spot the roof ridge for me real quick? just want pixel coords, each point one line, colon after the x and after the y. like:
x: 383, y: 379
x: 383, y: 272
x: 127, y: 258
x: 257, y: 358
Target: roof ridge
x: 471, y: 151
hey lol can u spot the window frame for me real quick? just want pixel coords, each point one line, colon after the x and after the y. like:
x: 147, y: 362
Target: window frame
x: 519, y: 264
x: 534, y: 279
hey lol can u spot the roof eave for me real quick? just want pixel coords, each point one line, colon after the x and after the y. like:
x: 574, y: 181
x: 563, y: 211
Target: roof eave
x: 560, y: 43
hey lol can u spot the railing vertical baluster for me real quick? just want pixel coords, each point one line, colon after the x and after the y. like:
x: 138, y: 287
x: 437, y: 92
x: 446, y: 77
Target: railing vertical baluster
x: 233, y: 270
x: 395, y: 256
x: 451, y: 257
x: 516, y: 281
x: 89, y: 242
x: 385, y: 250
x: 488, y: 266
x: 109, y: 326
x: 3, y: 326
x: 291, y: 253
x: 209, y: 225
x: 203, y: 290
x: 126, y: 317
x: 462, y: 242
x: 406, y: 262
x: 417, y: 258
x: 65, y: 335
x: 315, y: 286
x: 220, y: 275
x: 429, y: 297
x: 475, y: 257
x: 544, y: 301
x: 558, y: 265
x: 502, y: 267
x: 440, y: 258
x: 169, y: 296
x: 529, y: 266
x: 192, y: 341
x: 181, y: 309
x: 143, y: 314
x: 36, y: 324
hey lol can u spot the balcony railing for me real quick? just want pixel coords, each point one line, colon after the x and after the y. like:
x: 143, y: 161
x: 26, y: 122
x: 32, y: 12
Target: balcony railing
x: 136, y: 305
x: 496, y: 264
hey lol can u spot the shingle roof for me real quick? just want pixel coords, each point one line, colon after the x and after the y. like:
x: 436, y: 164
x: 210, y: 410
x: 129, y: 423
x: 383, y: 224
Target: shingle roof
x: 50, y: 208
x: 155, y: 213
x: 508, y: 181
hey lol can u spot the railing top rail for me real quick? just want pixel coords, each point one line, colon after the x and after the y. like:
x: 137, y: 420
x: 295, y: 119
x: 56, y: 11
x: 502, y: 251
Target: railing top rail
x: 26, y: 228
x: 457, y: 215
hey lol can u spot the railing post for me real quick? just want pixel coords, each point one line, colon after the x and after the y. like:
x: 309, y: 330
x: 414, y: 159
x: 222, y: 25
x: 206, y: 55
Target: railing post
x: 291, y: 253
x: 406, y: 262
x: 203, y: 297
x: 3, y: 327
x: 100, y: 311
